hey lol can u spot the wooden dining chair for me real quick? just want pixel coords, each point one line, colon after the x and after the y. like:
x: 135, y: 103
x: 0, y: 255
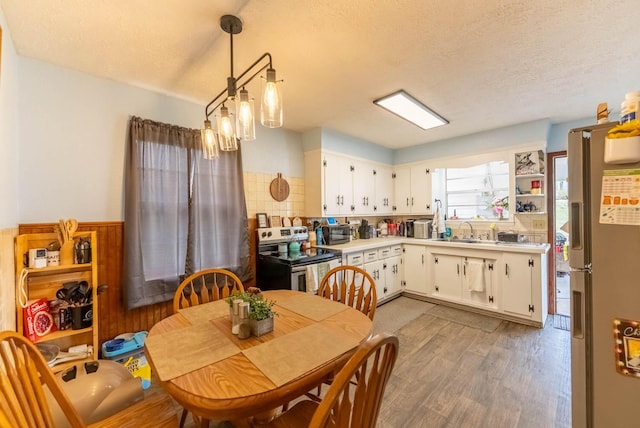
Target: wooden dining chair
x: 355, y: 396
x: 206, y: 286
x: 352, y: 286
x: 201, y: 287
x: 23, y: 371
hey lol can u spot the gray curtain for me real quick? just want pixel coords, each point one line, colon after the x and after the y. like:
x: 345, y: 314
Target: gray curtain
x: 183, y: 213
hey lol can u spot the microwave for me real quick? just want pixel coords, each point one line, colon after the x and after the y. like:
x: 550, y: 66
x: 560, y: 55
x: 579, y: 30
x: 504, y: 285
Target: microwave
x: 336, y: 234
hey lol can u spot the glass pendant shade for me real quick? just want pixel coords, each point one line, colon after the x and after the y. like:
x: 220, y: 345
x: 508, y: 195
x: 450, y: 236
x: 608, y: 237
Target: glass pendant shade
x: 226, y: 133
x: 209, y: 141
x: 271, y: 108
x: 245, y: 126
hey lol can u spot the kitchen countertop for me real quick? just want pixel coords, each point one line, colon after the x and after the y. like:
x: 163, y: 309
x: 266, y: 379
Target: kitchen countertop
x: 367, y: 244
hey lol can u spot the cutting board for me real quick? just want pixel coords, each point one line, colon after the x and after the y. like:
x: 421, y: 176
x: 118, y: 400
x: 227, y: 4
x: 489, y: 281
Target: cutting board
x: 279, y: 188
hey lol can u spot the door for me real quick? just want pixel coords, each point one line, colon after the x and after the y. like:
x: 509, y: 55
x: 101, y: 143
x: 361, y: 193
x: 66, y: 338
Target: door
x: 517, y: 283
x: 415, y: 273
x: 447, y: 274
x: 392, y: 275
x: 558, y: 235
x: 338, y: 184
x: 420, y: 190
x: 402, y: 190
x: 363, y: 187
x: 376, y: 270
x: 383, y: 190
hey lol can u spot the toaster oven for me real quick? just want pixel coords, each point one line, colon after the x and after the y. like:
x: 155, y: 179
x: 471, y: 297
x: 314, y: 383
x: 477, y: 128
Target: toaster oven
x: 422, y: 229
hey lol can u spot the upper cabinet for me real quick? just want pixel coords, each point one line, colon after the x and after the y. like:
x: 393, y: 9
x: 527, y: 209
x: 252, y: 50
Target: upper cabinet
x: 412, y: 186
x: 337, y: 185
x: 383, y: 190
x: 530, y: 182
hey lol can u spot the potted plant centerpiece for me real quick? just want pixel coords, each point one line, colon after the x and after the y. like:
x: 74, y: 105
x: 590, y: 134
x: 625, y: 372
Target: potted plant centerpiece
x: 261, y: 311
x: 261, y: 315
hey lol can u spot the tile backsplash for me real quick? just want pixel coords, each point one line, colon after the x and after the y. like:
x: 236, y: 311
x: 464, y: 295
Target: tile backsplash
x: 259, y: 199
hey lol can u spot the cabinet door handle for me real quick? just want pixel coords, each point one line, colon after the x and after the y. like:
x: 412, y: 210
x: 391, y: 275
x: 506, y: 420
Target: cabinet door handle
x: 458, y: 268
x: 407, y: 201
x: 338, y: 200
x: 423, y: 259
x: 506, y: 269
x: 464, y: 270
x: 412, y: 201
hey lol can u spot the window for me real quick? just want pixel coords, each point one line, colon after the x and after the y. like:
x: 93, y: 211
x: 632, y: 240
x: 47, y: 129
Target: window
x: 183, y: 213
x: 477, y: 192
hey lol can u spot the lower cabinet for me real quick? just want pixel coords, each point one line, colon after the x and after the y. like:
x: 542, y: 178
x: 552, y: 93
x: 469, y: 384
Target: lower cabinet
x: 524, y: 291
x: 392, y: 276
x: 470, y: 280
x: 383, y: 264
x: 415, y: 269
x: 508, y: 283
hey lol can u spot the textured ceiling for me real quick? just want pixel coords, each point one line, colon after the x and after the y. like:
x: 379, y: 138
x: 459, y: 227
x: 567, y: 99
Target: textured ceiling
x: 480, y: 64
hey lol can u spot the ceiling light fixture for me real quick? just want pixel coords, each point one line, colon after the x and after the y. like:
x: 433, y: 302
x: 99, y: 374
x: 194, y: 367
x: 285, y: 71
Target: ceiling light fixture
x: 239, y: 123
x: 404, y: 105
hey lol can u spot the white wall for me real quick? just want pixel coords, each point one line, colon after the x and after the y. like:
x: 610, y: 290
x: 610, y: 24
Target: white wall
x: 8, y: 176
x: 72, y: 142
x: 8, y: 130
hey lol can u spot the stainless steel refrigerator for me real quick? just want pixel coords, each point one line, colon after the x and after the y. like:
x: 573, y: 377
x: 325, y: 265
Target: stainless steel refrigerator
x: 604, y: 254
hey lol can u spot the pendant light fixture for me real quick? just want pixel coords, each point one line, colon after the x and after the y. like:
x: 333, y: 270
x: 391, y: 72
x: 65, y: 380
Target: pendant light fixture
x: 209, y: 141
x: 232, y: 126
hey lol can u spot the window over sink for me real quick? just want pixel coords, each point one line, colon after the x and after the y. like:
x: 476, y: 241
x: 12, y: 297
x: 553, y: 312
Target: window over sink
x: 478, y: 192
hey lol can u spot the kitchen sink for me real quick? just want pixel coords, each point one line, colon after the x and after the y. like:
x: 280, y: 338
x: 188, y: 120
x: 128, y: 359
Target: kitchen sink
x: 488, y: 242
x: 465, y: 241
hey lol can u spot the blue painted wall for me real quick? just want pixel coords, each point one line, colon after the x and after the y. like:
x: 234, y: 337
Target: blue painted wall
x: 541, y: 130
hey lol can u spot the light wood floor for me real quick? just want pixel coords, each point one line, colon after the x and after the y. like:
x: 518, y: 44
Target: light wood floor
x: 451, y: 375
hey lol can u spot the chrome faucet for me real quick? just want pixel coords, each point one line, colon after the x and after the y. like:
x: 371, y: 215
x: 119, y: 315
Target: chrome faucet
x: 470, y: 227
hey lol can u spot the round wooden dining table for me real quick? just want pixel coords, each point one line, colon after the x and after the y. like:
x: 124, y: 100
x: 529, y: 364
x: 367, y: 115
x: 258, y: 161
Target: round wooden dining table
x: 217, y: 376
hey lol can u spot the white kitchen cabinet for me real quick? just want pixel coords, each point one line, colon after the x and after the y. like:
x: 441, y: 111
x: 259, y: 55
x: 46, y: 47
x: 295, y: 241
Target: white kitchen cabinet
x: 412, y: 188
x: 470, y: 280
x: 447, y: 276
x: 383, y: 190
x: 376, y: 270
x: 338, y: 184
x: 363, y: 188
x: 487, y: 292
x: 392, y: 276
x: 524, y: 286
x: 383, y: 264
x: 328, y: 186
x: 415, y: 268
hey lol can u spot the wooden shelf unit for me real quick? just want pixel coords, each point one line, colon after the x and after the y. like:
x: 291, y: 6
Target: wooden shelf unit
x: 44, y: 282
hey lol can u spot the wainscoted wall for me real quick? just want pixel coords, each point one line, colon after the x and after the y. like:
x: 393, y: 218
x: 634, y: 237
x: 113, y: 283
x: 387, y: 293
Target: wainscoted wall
x: 259, y: 200
x: 114, y: 318
x: 7, y: 279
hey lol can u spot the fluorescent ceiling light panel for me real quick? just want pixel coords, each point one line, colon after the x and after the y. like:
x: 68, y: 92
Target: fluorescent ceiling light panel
x: 404, y: 105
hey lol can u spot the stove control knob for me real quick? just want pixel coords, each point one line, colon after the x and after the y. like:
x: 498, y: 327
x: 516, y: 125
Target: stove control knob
x: 269, y: 234
x: 264, y: 234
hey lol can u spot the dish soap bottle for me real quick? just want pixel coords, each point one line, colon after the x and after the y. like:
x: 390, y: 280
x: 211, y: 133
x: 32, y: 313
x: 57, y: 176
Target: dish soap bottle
x: 319, y: 240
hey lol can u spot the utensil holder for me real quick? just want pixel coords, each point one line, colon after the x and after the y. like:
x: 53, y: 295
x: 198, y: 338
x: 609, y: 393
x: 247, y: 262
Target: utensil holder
x: 81, y: 316
x: 66, y: 253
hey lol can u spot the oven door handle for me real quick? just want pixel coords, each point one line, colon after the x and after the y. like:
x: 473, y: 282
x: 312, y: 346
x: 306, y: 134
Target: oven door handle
x: 299, y: 269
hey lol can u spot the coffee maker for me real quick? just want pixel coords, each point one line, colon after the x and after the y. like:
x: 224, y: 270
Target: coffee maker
x: 409, y: 229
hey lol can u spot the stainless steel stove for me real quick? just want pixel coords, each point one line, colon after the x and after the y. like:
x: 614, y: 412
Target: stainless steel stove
x: 286, y: 270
